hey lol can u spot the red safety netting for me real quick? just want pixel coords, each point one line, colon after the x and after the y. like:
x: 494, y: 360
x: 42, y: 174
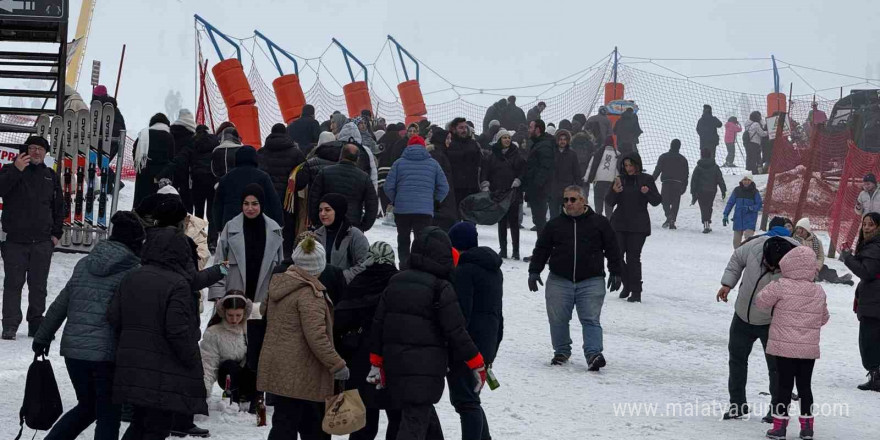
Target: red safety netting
x: 845, y: 223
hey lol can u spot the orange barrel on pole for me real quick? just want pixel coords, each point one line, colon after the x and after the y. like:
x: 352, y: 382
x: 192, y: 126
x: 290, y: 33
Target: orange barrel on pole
x: 613, y: 92
x: 291, y: 98
x: 247, y: 121
x: 233, y: 83
x: 776, y: 102
x: 414, y: 119
x: 357, y: 98
x: 412, y: 99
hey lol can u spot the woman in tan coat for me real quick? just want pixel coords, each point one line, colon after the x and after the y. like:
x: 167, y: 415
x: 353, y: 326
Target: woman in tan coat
x: 298, y: 362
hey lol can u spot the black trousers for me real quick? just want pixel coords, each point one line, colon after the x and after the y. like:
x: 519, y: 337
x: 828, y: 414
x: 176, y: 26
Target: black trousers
x: 707, y: 203
x: 600, y: 190
x: 93, y: 384
x: 202, y: 195
x: 753, y: 156
x: 474, y: 425
x: 510, y: 220
x: 631, y: 244
x: 149, y: 424
x: 242, y: 381
x: 370, y: 431
x: 793, y: 371
x: 742, y: 337
x: 419, y: 422
x: 25, y: 262
x: 408, y: 224
x: 539, y: 203
x: 671, y: 193
x: 869, y: 342
x: 295, y: 416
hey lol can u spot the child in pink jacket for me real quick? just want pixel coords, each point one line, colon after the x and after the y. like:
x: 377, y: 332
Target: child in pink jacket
x: 799, y: 312
x: 731, y: 128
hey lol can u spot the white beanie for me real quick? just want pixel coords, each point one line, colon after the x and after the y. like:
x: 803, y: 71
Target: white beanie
x: 551, y: 131
x: 185, y: 118
x: 804, y: 223
x: 310, y: 256
x: 748, y: 175
x: 502, y: 132
x: 325, y: 138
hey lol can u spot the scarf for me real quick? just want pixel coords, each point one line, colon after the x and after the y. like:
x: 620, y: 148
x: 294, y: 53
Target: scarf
x: 142, y: 153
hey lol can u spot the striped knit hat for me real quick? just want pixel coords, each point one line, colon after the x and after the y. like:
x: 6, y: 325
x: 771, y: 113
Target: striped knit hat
x: 310, y: 256
x: 380, y: 253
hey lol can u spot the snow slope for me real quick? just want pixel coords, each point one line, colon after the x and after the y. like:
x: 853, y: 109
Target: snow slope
x: 671, y: 349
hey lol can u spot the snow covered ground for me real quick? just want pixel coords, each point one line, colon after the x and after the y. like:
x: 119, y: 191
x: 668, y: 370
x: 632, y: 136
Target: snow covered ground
x: 670, y: 352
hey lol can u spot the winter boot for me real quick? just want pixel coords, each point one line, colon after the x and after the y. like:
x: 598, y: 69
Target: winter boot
x: 873, y: 383
x: 806, y: 427
x: 559, y: 359
x: 769, y: 417
x: 515, y: 255
x: 193, y: 431
x: 736, y: 411
x: 706, y: 228
x: 34, y: 326
x: 780, y: 423
x: 503, y: 253
x: 666, y: 224
x: 672, y: 226
x: 624, y: 293
x: 8, y: 335
x: 635, y: 297
x: 595, y: 362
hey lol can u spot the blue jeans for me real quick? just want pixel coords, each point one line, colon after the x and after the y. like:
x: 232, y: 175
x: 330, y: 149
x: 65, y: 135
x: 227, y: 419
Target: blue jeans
x: 562, y: 296
x: 93, y: 383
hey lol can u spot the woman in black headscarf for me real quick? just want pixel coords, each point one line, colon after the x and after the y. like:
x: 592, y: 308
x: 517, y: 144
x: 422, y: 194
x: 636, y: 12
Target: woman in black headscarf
x: 346, y: 246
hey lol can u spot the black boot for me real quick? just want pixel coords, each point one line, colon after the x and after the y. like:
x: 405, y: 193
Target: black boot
x: 624, y: 293
x: 502, y: 244
x: 503, y: 253
x: 515, y: 255
x: 635, y: 297
x: 873, y: 383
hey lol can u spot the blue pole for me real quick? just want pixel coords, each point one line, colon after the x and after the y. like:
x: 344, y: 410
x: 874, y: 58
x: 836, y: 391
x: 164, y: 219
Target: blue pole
x: 401, y: 51
x: 346, y: 54
x: 272, y: 48
x: 211, y: 31
x: 614, y: 69
x: 775, y: 75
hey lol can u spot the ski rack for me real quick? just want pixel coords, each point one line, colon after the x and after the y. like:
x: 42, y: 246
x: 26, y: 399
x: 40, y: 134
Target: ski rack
x: 98, y: 235
x: 272, y: 48
x: 212, y: 31
x: 347, y: 54
x: 401, y: 51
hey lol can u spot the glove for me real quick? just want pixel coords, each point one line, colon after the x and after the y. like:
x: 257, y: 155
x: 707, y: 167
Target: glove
x: 723, y: 196
x: 614, y: 283
x: 224, y: 269
x: 534, y: 280
x: 376, y: 377
x: 40, y: 349
x: 342, y: 374
x: 516, y: 183
x: 484, y: 186
x: 724, y: 222
x: 480, y: 376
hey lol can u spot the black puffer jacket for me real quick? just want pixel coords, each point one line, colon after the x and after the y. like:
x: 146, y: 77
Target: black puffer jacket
x: 278, y: 157
x: 577, y: 247
x: 672, y: 167
x: 317, y: 160
x: 540, y: 165
x: 33, y: 204
x: 352, y: 324
x: 627, y: 130
x: 865, y: 264
x: 707, y: 177
x: 584, y: 145
x: 347, y: 179
x: 196, y: 160
x: 419, y: 325
x: 479, y: 285
x: 631, y: 206
x: 305, y: 131
x: 465, y: 157
x: 707, y: 128
x: 567, y: 170
x: 158, y: 363
x: 183, y: 145
x: 160, y: 155
x: 502, y: 168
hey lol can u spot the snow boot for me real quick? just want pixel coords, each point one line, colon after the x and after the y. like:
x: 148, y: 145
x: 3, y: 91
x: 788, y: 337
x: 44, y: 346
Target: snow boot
x: 559, y: 359
x: 806, y: 427
x: 736, y: 411
x: 780, y: 423
x: 873, y: 383
x: 666, y: 224
x: 769, y: 417
x: 706, y: 228
x: 515, y: 255
x: 624, y: 293
x: 595, y: 362
x: 193, y: 431
x: 8, y: 335
x: 635, y: 297
x: 503, y: 253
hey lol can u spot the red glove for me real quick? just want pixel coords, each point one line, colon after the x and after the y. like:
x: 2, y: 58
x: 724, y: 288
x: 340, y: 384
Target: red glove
x: 478, y: 367
x: 377, y: 373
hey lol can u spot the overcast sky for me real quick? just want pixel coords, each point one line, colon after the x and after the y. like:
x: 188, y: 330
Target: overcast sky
x: 488, y: 43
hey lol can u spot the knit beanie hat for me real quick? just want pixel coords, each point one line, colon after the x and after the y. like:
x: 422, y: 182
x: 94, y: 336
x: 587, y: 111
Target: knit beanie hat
x: 463, y: 236
x: 310, y: 256
x: 253, y: 189
x: 380, y: 253
x: 186, y: 119
x: 749, y: 176
x: 326, y: 137
x: 870, y: 177
x: 279, y: 129
x: 804, y: 223
x: 417, y: 140
x: 37, y: 140
x: 100, y: 90
x: 127, y: 229
x: 246, y: 155
x: 169, y: 210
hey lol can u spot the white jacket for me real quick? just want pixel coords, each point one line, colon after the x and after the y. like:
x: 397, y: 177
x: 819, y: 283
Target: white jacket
x: 868, y: 202
x: 223, y: 342
x: 755, y: 131
x: 607, y: 170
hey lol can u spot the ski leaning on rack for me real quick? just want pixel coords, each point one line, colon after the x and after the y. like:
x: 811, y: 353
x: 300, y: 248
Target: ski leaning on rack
x: 43, y: 125
x: 82, y: 150
x: 107, y: 115
x: 56, y: 132
x: 68, y: 151
x: 94, y: 137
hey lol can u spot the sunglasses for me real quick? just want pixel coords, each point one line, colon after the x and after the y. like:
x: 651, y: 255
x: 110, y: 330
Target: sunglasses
x: 570, y: 199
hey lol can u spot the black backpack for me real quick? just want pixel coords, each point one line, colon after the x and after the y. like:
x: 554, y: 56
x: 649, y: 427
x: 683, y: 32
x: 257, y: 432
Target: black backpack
x: 746, y: 137
x: 42, y: 401
x: 774, y: 249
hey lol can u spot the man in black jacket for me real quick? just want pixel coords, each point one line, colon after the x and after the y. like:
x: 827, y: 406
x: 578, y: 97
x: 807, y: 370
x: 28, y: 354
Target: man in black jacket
x: 566, y: 171
x: 479, y: 285
x: 513, y: 115
x: 32, y: 216
x: 575, y: 244
x: 419, y: 331
x: 278, y: 157
x: 305, y: 130
x: 465, y: 157
x: 347, y: 179
x: 539, y: 173
x: 707, y: 129
x: 673, y: 171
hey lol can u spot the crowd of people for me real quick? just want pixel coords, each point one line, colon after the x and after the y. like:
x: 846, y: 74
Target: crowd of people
x: 305, y: 306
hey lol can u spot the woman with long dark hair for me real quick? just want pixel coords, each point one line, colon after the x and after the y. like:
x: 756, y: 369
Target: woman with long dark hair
x: 865, y: 264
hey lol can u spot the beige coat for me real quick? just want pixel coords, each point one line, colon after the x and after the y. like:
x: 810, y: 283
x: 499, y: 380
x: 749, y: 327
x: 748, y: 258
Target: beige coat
x: 196, y: 229
x: 298, y: 358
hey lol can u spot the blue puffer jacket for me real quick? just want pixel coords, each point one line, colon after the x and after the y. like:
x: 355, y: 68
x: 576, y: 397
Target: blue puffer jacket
x: 415, y: 182
x: 84, y: 301
x: 745, y: 203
